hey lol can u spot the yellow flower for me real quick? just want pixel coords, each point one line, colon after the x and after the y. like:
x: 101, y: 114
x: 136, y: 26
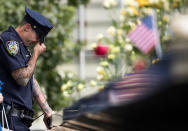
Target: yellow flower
x: 93, y: 83
x: 175, y: 4
x: 116, y: 49
x: 133, y: 53
x: 100, y: 70
x: 104, y: 63
x: 142, y: 3
x: 80, y: 86
x: 131, y: 24
x: 100, y: 77
x: 111, y: 56
x: 166, y: 18
x: 111, y: 46
x: 64, y: 87
x: 134, y: 10
x: 153, y: 61
x: 120, y: 32
x: 94, y: 45
x: 159, y: 23
x: 166, y: 5
x: 66, y: 94
x: 112, y: 30
x: 123, y: 12
x: 69, y: 83
x: 101, y: 87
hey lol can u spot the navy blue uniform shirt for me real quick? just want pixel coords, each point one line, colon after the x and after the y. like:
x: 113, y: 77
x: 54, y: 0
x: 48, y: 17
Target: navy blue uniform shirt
x: 14, y: 55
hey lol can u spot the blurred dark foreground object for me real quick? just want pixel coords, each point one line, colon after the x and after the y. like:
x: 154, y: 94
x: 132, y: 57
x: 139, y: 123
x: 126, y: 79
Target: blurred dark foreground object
x: 155, y: 99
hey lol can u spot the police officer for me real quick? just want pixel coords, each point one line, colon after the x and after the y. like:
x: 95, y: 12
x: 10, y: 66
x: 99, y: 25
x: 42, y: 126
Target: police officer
x: 16, y: 70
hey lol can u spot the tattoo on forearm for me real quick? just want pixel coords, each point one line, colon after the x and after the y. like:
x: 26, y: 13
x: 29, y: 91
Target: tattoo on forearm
x: 40, y: 98
x: 23, y: 75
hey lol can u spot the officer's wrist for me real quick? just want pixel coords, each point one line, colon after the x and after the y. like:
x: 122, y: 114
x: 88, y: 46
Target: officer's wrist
x: 35, y: 54
x: 49, y: 112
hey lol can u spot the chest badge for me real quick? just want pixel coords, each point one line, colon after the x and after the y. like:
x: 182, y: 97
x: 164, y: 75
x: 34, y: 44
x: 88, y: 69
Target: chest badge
x: 12, y: 47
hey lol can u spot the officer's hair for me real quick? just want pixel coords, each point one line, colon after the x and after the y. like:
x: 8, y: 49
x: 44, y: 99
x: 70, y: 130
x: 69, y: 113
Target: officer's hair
x: 23, y: 22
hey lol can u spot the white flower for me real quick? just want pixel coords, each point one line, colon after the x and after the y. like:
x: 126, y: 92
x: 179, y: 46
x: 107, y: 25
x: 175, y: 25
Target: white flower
x: 130, y: 3
x: 130, y: 11
x: 128, y: 47
x: 111, y: 56
x: 93, y: 83
x: 147, y: 11
x: 80, y: 86
x: 64, y: 87
x: 119, y: 32
x: 153, y: 1
x: 112, y: 30
x: 127, y: 39
x: 69, y: 83
x: 109, y: 3
x: 100, y: 70
x: 99, y: 77
x: 113, y: 2
x: 66, y: 94
x: 106, y: 4
x: 122, y: 18
x: 70, y: 75
x: 93, y: 45
x: 100, y: 37
x: 116, y: 49
x: 121, y: 40
x: 104, y: 63
x: 131, y: 24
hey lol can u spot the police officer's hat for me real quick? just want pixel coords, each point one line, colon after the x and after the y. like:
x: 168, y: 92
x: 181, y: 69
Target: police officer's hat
x: 39, y: 23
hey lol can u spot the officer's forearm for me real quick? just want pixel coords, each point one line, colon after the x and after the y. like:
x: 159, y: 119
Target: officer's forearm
x: 23, y: 75
x: 40, y: 98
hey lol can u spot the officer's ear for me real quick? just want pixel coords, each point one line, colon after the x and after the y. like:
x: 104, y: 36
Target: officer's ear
x: 27, y: 27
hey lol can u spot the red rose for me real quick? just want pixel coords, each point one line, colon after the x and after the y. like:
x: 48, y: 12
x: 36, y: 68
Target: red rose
x: 101, y: 50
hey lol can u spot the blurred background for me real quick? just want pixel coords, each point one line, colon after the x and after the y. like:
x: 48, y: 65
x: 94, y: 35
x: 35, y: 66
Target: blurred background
x: 89, y: 45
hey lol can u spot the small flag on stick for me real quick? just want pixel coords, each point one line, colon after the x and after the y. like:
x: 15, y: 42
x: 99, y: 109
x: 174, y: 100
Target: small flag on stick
x: 144, y: 36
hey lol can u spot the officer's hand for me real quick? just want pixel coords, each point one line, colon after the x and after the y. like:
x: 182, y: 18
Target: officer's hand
x: 48, y: 120
x: 39, y: 48
x: 1, y: 98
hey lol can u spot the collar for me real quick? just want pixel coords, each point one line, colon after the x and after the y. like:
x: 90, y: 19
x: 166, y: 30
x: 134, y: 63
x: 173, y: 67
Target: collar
x: 11, y: 29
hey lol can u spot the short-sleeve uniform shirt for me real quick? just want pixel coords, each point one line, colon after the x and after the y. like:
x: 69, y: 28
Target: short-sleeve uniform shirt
x: 14, y: 55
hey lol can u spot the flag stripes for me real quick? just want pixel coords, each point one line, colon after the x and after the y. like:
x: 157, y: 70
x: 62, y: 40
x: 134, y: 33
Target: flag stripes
x: 143, y: 37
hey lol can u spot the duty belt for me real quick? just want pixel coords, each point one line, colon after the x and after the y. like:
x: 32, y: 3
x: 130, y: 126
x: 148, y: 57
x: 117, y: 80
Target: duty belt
x: 25, y: 115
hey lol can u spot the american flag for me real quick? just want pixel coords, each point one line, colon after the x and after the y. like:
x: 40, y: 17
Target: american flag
x: 144, y: 36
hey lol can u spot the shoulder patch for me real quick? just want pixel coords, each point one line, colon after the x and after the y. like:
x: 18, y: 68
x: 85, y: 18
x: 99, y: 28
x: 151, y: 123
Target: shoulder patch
x: 12, y: 47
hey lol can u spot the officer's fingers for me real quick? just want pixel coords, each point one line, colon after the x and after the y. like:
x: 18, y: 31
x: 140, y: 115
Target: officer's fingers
x: 43, y: 46
x: 53, y: 112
